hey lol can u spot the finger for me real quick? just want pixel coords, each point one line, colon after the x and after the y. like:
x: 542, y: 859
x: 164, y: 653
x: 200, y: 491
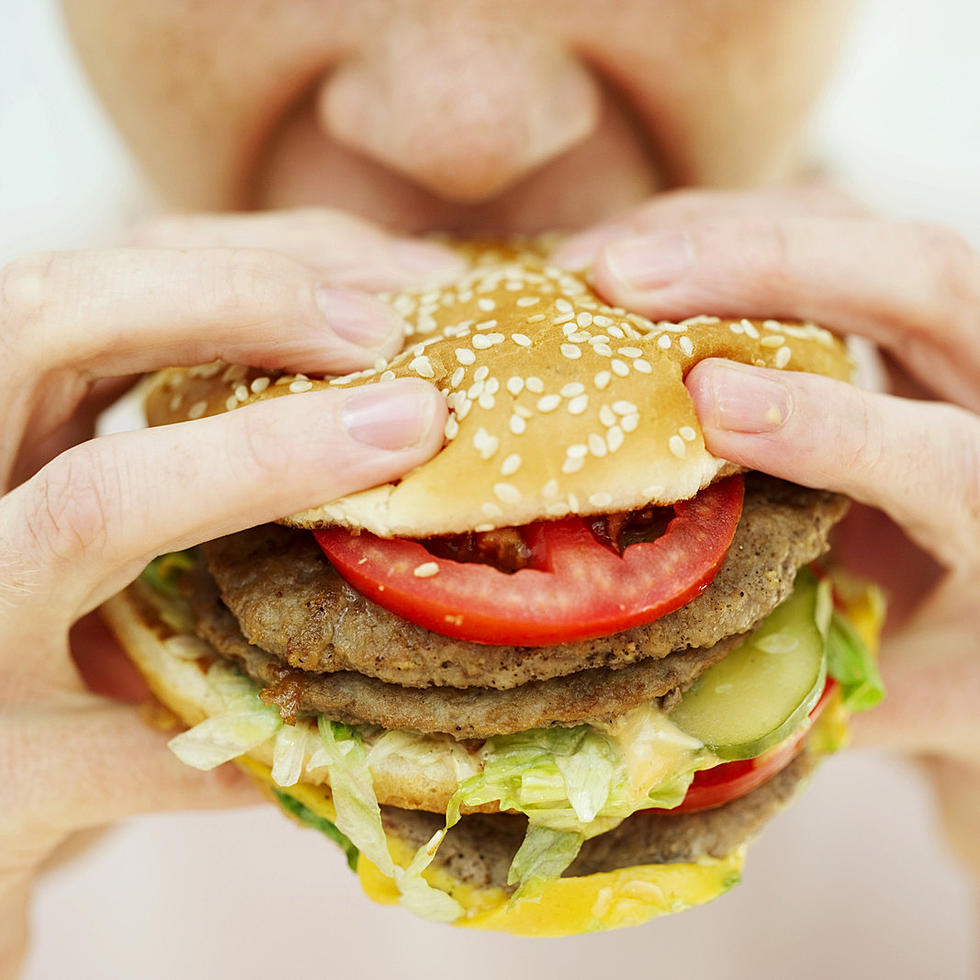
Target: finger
x: 65, y: 768
x: 686, y: 206
x: 91, y: 519
x: 118, y: 312
x: 917, y: 461
x: 350, y: 251
x: 914, y: 290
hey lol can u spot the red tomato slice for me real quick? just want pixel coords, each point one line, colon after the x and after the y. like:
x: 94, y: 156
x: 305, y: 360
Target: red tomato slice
x: 575, y: 589
x: 730, y: 780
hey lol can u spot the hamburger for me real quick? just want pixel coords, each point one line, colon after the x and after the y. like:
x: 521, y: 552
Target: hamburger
x: 554, y: 679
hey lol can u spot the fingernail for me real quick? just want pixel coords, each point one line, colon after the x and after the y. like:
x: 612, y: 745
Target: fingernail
x: 650, y: 261
x: 396, y: 415
x: 357, y: 318
x: 747, y: 401
x: 427, y: 261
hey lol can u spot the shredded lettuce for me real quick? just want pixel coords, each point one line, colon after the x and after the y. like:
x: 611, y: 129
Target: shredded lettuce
x: 164, y: 573
x: 544, y: 853
x: 359, y: 818
x: 289, y: 754
x: 852, y: 664
x: 224, y: 737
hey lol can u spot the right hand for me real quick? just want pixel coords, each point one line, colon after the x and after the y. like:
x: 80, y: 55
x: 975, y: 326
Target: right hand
x: 80, y: 517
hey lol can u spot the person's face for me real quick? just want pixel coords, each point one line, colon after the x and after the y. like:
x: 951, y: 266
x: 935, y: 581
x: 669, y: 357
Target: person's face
x: 499, y: 115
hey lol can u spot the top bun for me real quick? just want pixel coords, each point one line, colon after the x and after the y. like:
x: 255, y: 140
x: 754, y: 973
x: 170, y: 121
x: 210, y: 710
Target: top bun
x: 559, y: 404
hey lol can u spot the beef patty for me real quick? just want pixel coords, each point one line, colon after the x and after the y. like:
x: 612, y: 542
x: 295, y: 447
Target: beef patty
x: 475, y: 712
x: 291, y: 603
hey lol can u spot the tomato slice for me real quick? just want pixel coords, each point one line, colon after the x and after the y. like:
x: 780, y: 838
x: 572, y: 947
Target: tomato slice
x: 730, y: 780
x: 576, y: 588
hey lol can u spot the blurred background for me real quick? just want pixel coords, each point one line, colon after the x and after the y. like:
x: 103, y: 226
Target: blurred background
x: 851, y: 882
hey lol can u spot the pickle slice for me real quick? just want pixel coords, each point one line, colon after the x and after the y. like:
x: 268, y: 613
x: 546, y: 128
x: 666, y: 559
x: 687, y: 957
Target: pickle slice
x: 764, y: 689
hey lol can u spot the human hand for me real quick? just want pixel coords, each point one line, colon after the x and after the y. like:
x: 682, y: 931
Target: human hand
x: 80, y: 517
x: 912, y: 462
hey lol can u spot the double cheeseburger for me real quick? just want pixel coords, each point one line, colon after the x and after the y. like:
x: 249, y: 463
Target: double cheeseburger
x: 553, y: 679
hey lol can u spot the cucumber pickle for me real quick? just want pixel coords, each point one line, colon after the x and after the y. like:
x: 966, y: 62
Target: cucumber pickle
x: 764, y: 689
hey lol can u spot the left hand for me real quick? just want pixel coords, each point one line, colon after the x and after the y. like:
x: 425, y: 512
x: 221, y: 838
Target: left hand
x: 912, y: 463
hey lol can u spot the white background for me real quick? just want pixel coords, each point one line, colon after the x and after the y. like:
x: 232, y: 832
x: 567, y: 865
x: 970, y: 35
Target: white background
x: 851, y: 882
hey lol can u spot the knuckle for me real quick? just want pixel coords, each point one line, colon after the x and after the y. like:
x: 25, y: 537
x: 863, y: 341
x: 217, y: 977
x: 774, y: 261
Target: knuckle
x: 254, y: 279
x: 72, y: 504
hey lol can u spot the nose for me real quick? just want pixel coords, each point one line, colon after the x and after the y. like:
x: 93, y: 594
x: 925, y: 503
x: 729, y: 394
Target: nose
x: 463, y: 114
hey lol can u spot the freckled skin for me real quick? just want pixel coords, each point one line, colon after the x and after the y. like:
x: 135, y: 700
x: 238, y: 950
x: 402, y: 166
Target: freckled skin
x: 474, y: 115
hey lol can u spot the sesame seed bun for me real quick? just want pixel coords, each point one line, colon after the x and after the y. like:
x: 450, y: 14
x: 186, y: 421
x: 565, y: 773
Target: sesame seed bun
x: 559, y: 404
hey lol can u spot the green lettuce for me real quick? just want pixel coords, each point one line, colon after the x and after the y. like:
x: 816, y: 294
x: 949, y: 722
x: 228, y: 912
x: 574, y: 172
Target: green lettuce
x: 852, y: 665
x: 313, y: 820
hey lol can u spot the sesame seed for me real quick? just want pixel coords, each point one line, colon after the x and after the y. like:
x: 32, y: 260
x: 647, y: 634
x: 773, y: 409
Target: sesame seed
x: 507, y: 492
x: 522, y: 340
x: 601, y: 380
x: 464, y: 355
x: 571, y: 352
x: 604, y: 349
x: 300, y: 384
x: 515, y: 385
x: 623, y: 408
x: 686, y: 346
x: 452, y: 427
x: 463, y: 409
x: 231, y: 402
x: 492, y: 386
x: 597, y: 445
x: 687, y: 433
x: 510, y: 465
x: 484, y: 443
x: 600, y: 499
x: 643, y: 366
x: 389, y: 376
x: 606, y: 416
x: 517, y: 425
x: 548, y: 403
x: 572, y: 464
x: 563, y: 306
x: 259, y: 385
x: 663, y: 341
x: 566, y: 318
x: 577, y: 450
x: 454, y: 381
x: 486, y: 401
x: 486, y: 325
x: 426, y: 570
x: 175, y: 402
x: 422, y: 366
x: 630, y: 352
x: 782, y: 357
x: 537, y: 318
x: 601, y: 321
x: 481, y: 373
x: 653, y: 491
x: 482, y: 342
x: 677, y: 447
x: 486, y: 304
x: 528, y: 301
x: 523, y: 411
x: 617, y: 332
x: 749, y: 327
x: 550, y: 489
x: 495, y: 338
x: 560, y: 508
x: 772, y: 325
x: 197, y: 410
x: 235, y: 372
x: 534, y: 384
x: 573, y: 502
x: 491, y: 510
x: 776, y: 340
x: 736, y: 328
x: 614, y: 438
x: 619, y: 367
x: 572, y: 389
x: 578, y: 404
x: 579, y: 336
x: 584, y: 319
x: 629, y: 422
